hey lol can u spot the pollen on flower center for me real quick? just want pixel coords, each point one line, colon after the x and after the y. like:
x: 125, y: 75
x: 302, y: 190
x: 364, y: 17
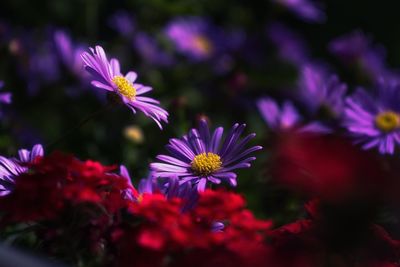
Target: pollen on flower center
x: 387, y: 121
x: 125, y: 88
x: 203, y: 44
x: 206, y: 163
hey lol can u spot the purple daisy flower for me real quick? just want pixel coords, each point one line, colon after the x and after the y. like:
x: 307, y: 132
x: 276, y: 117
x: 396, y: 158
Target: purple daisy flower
x: 200, y: 156
x: 374, y: 120
x: 107, y: 76
x: 357, y: 49
x: 278, y: 118
x: 193, y: 37
x: 318, y: 89
x: 12, y: 167
x: 5, y: 97
x: 286, y: 117
x: 304, y: 9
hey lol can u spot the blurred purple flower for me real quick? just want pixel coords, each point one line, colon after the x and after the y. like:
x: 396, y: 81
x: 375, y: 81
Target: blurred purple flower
x: 5, y: 97
x: 37, y: 59
x: 278, y: 118
x: 286, y: 117
x: 200, y: 156
x: 12, y: 167
x: 122, y: 22
x: 194, y: 37
x: 107, y: 76
x: 305, y: 9
x: 374, y: 119
x: 150, y: 51
x: 291, y: 46
x: 357, y: 49
x: 318, y: 89
x: 70, y: 54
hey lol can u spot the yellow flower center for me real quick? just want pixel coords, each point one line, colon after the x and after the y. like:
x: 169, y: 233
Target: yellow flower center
x: 125, y: 87
x: 134, y: 134
x: 387, y: 121
x: 206, y: 163
x: 203, y: 44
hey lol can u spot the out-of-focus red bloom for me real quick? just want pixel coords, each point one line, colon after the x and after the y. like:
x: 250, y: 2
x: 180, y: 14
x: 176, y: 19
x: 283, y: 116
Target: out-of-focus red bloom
x: 317, y: 242
x: 60, y: 182
x: 328, y: 167
x: 164, y: 236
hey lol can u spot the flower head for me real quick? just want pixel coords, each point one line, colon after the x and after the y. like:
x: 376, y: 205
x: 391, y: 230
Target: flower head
x: 357, y: 48
x: 276, y: 117
x: 193, y: 37
x: 12, y: 167
x: 285, y: 117
x: 374, y: 120
x: 319, y: 90
x: 107, y: 76
x: 329, y: 167
x: 202, y: 157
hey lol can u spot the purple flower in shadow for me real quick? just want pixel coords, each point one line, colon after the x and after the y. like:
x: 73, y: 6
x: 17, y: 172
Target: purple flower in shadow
x: 201, y: 157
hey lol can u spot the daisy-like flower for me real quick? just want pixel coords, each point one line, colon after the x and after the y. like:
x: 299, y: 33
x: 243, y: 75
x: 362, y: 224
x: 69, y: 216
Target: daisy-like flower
x: 374, y: 120
x: 358, y: 49
x: 194, y: 37
x: 320, y: 90
x: 276, y: 117
x: 200, y: 156
x: 12, y: 167
x: 107, y: 76
x: 286, y: 117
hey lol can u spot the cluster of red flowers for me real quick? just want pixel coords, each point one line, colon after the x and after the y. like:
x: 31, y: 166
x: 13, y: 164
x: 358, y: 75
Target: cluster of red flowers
x: 168, y: 237
x: 60, y: 182
x: 79, y: 208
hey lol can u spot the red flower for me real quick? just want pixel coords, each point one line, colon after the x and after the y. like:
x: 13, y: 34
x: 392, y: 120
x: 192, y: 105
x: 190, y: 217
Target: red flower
x: 328, y: 167
x: 60, y: 182
x: 319, y: 241
x: 161, y: 230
